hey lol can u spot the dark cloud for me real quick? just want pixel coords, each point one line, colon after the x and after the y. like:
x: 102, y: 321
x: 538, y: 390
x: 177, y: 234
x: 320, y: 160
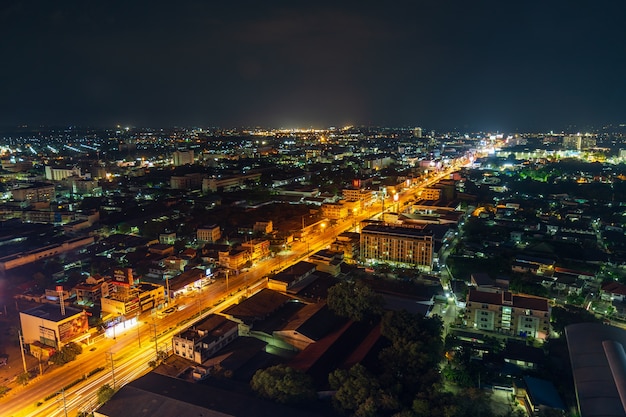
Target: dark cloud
x: 510, y: 65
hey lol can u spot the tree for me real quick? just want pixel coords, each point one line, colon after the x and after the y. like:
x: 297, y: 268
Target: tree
x: 354, y: 300
x: 562, y: 317
x: 359, y: 392
x: 105, y: 393
x: 283, y: 384
x: 3, y: 390
x: 23, y: 378
x: 415, y: 352
x: 66, y: 354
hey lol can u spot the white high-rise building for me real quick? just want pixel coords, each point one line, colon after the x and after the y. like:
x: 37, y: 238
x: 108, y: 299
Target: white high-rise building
x: 182, y: 158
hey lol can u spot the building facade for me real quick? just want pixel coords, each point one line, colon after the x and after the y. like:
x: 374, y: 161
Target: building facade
x: 205, y: 338
x: 54, y: 326
x: 35, y: 194
x: 508, y: 313
x: 209, y: 234
x: 401, y: 245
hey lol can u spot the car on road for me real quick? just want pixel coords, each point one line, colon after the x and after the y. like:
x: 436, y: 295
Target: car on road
x: 165, y: 312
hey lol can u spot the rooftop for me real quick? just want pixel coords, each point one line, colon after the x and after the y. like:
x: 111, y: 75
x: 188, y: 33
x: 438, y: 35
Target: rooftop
x: 158, y: 395
x: 52, y: 312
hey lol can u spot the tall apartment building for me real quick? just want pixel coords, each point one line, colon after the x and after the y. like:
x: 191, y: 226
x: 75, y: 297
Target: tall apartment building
x: 182, y: 158
x: 403, y: 245
x: 58, y: 174
x: 508, y: 313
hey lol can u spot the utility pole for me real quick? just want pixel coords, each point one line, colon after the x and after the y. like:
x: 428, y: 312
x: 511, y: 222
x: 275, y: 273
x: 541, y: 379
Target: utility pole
x: 156, y: 342
x: 112, y: 368
x: 64, y: 403
x: 19, y: 333
x: 138, y: 324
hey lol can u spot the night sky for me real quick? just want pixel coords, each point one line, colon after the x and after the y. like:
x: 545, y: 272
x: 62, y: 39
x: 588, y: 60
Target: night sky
x: 468, y: 65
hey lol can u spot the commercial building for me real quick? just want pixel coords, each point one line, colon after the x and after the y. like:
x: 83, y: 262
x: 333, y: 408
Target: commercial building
x: 334, y: 211
x: 257, y: 248
x: 53, y: 325
x: 203, y: 339
x: 229, y: 183
x: 24, y: 258
x: 596, y: 353
x: 234, y: 258
x: 411, y: 246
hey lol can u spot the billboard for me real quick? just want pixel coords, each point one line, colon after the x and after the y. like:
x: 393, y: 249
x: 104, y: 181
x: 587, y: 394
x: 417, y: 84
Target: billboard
x: 47, y: 336
x: 73, y: 328
x: 123, y: 276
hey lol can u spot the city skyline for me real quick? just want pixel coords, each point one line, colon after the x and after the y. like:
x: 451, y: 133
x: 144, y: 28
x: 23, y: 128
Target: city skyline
x: 482, y: 66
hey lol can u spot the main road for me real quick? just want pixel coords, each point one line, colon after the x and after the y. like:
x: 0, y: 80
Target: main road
x: 72, y: 388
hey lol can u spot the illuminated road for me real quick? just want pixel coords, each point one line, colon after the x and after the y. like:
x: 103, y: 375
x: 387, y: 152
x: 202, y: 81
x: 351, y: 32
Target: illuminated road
x: 134, y: 347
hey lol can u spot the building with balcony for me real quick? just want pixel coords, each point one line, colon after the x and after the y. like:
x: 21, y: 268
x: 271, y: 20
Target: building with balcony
x: 513, y: 314
x: 402, y: 245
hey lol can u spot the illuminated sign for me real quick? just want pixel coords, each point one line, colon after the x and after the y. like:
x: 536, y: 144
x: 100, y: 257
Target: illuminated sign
x: 123, y: 276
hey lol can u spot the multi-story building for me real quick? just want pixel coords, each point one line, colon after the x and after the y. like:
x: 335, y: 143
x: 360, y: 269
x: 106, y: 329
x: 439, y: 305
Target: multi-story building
x: 92, y: 290
x: 85, y: 186
x: 229, y: 183
x: 263, y: 227
x: 187, y: 182
x: 210, y: 234
x: 234, y: 258
x: 58, y: 174
x: 334, y: 211
x: 257, y: 248
x: 508, y: 313
x: 182, y: 158
x: 133, y: 300
x: 200, y: 342
x: 347, y: 243
x: 34, y: 194
x: 54, y: 325
x: 356, y: 194
x: 431, y: 194
x: 403, y: 245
